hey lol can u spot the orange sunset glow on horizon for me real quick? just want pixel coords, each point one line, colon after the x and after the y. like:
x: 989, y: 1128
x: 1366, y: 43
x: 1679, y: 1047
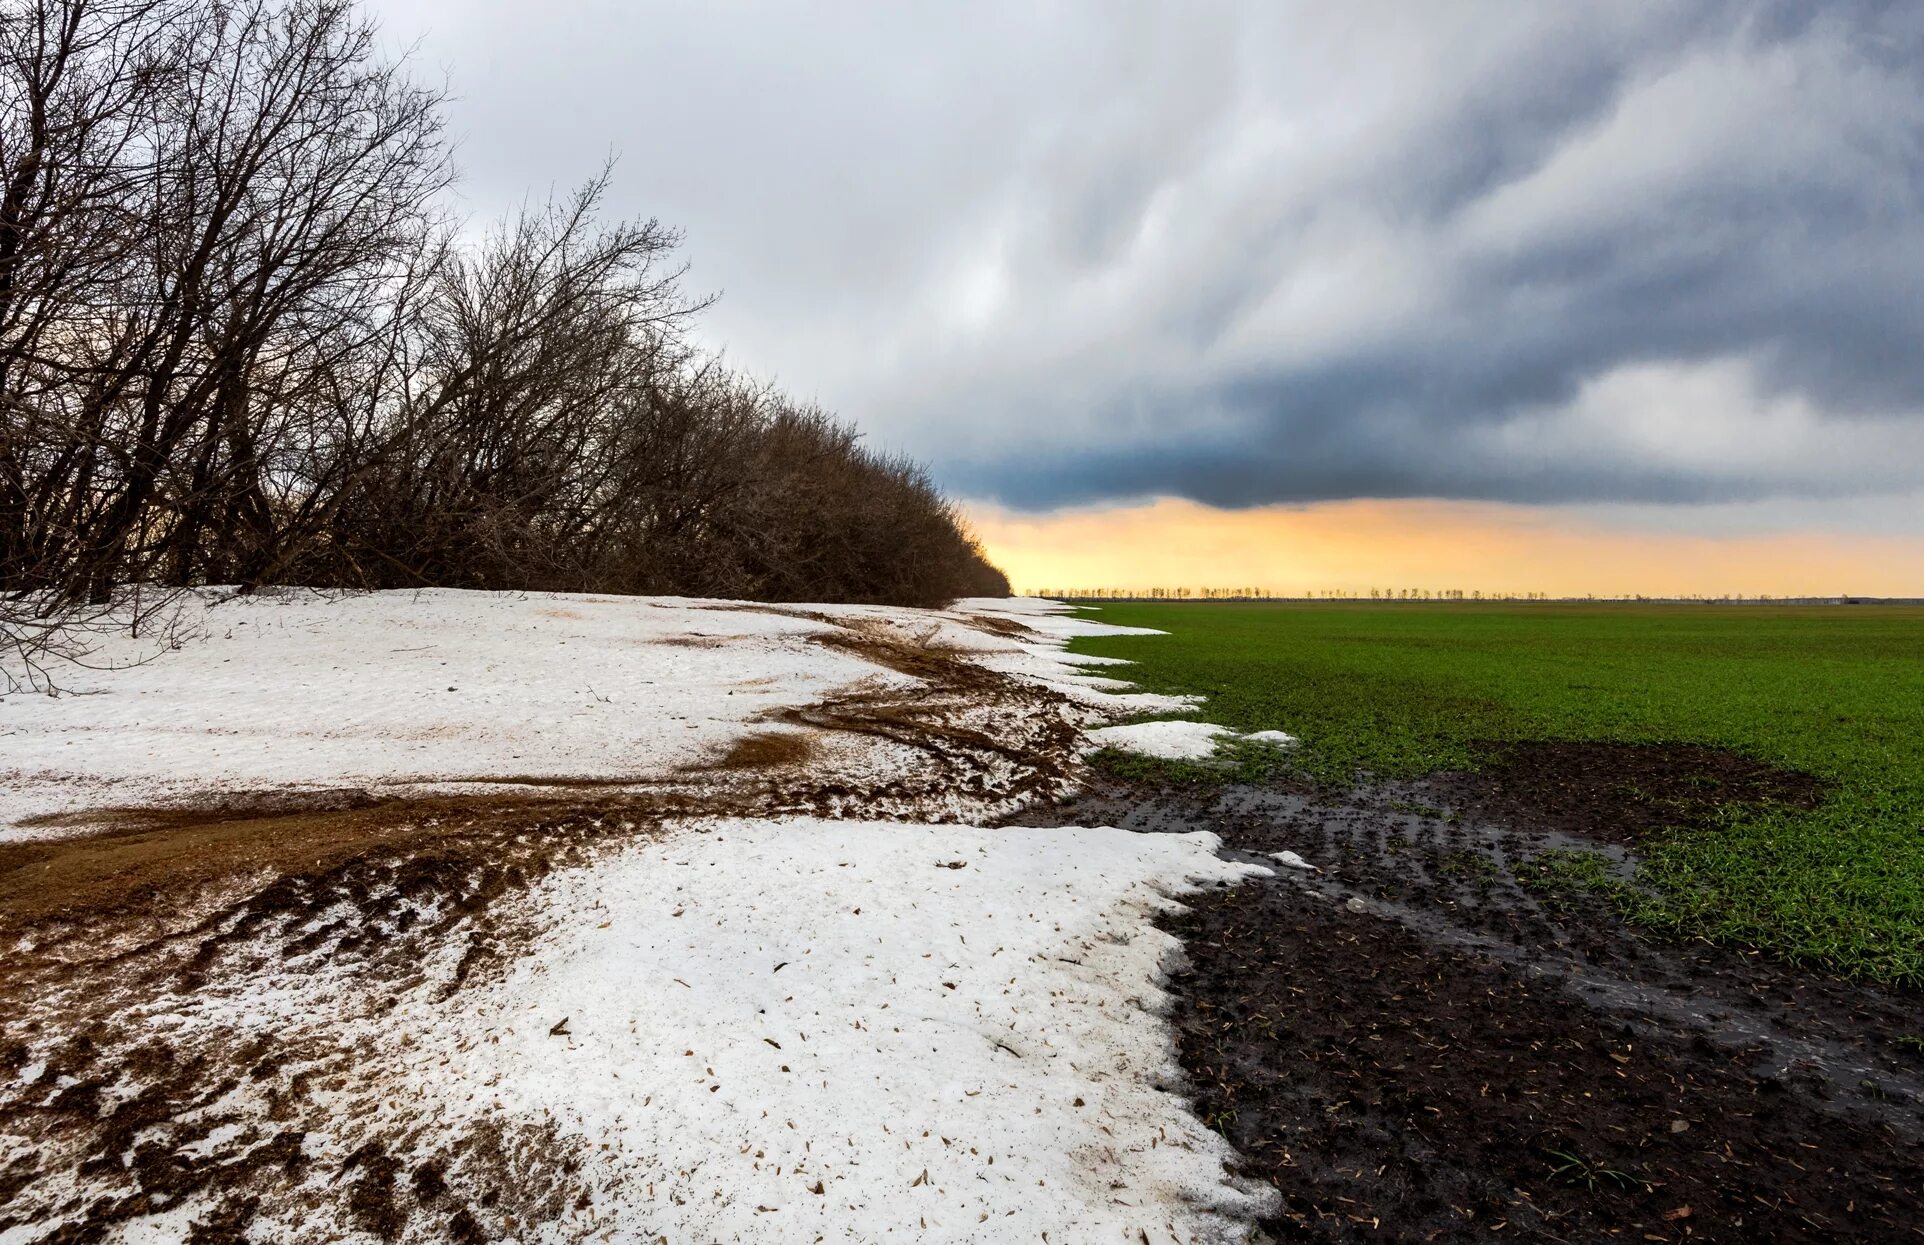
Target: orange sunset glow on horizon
x: 1356, y: 546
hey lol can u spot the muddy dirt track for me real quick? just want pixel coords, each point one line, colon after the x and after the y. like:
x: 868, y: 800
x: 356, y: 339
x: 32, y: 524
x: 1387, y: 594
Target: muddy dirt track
x: 1412, y: 1045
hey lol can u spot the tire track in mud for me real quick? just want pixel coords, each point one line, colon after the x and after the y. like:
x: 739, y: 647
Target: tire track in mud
x: 193, y: 1000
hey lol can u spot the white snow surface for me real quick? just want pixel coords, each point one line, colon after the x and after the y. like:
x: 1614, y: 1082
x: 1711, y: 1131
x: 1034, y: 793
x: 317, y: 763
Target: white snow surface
x: 951, y: 1033
x: 1170, y: 741
x: 398, y: 692
x: 1043, y: 660
x: 1178, y: 741
x: 406, y: 688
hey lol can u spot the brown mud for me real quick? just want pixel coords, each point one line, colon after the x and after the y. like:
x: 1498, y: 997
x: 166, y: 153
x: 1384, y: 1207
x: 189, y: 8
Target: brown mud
x: 128, y: 1114
x: 762, y: 750
x: 1416, y: 1044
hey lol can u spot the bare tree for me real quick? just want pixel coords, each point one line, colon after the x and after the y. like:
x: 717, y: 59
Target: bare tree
x: 238, y: 345
x: 495, y: 470
x: 204, y: 209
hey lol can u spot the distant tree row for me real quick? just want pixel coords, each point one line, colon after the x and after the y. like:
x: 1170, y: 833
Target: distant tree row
x: 1152, y: 594
x: 241, y: 342
x: 1448, y: 594
x: 1263, y: 594
x: 1417, y: 594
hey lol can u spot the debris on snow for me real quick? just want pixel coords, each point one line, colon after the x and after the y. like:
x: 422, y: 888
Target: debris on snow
x: 697, y: 1089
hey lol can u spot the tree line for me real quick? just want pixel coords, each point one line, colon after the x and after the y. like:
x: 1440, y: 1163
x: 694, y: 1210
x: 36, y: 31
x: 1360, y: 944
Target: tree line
x: 1263, y: 594
x: 243, y: 342
x: 1442, y: 594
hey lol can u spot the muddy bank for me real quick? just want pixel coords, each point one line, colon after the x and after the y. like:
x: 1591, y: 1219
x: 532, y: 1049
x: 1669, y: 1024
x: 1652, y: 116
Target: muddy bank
x: 1415, y: 1043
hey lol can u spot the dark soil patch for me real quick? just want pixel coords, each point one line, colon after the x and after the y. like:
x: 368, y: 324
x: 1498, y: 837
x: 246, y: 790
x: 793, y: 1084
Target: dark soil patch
x: 214, y: 806
x: 1429, y: 1094
x: 1412, y: 1044
x: 122, y: 1103
x: 371, y: 1199
x: 767, y: 750
x: 167, y: 859
x: 1617, y: 792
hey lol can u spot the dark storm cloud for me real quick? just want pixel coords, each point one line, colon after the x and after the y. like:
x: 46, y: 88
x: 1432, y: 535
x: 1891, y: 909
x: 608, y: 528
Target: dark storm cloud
x: 1269, y: 253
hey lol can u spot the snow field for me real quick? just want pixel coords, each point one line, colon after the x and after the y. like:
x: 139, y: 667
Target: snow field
x: 746, y: 1031
x: 407, y: 692
x: 405, y: 689
x: 862, y: 1032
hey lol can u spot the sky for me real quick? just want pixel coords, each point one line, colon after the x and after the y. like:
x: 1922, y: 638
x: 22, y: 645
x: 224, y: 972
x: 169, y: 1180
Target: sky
x: 1624, y: 297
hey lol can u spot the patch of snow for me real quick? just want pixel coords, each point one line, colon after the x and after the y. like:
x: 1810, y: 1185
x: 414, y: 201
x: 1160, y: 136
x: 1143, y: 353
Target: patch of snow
x: 786, y: 1031
x: 1067, y: 626
x: 1294, y: 861
x: 1017, y: 607
x: 1060, y: 622
x: 1091, y: 659
x: 165, y: 1227
x: 1170, y: 741
x: 1040, y: 656
x: 212, y: 1142
x: 407, y: 692
x: 410, y: 688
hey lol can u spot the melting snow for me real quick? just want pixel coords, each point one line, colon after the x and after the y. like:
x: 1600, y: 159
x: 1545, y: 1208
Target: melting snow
x: 404, y: 691
x: 1171, y: 741
x: 406, y: 688
x: 865, y: 1031
x: 1178, y: 741
x: 752, y: 1031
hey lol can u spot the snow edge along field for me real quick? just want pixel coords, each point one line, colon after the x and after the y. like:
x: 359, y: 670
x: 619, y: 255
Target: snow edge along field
x: 1064, y: 1059
x: 413, y: 693
x: 745, y: 1031
x: 1178, y: 740
x: 866, y: 1031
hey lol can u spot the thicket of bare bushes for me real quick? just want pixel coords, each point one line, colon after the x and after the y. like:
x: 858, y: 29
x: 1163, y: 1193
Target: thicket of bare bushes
x: 240, y: 343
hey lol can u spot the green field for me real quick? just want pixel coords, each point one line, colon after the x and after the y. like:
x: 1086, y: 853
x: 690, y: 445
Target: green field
x: 1404, y: 690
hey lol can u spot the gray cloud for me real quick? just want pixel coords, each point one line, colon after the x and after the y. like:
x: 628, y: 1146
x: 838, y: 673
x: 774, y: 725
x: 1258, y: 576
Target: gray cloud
x: 1250, y: 253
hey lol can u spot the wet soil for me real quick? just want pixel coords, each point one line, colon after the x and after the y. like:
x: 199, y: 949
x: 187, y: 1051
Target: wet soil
x: 1617, y: 792
x: 1413, y: 1043
x: 127, y: 1112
